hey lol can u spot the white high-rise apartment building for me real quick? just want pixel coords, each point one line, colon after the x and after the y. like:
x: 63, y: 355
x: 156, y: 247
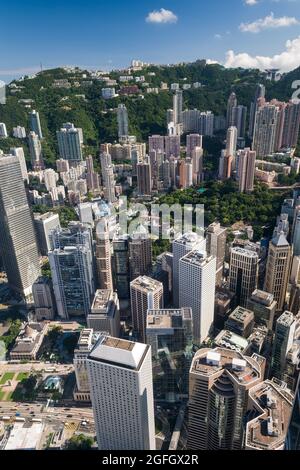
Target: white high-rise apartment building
x: 122, y: 121
x: 19, y: 132
x: 231, y: 141
x: 120, y: 377
x: 70, y: 140
x: 206, y: 123
x: 35, y: 123
x: 181, y: 247
x: 3, y: 130
x: 177, y: 107
x: 197, y: 280
x: 35, y: 149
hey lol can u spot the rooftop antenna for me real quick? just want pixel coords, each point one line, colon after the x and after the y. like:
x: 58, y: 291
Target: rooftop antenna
x: 41, y: 66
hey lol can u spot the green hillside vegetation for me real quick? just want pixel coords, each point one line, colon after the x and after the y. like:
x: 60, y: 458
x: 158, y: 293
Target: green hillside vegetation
x: 147, y: 115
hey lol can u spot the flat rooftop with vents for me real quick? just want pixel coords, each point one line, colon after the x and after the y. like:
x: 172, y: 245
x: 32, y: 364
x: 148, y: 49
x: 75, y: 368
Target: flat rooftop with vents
x: 119, y: 352
x: 273, y: 406
x: 208, y: 362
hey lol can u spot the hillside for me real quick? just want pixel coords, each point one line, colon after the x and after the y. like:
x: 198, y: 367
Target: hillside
x: 147, y: 114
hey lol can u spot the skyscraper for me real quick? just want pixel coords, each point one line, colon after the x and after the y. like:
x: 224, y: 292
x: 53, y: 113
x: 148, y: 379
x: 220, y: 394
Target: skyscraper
x: 144, y: 178
x: 239, y: 115
x: 181, y: 246
x: 259, y: 93
x: 92, y: 178
x: 197, y: 280
x: 17, y: 237
x: 70, y: 140
x: 293, y: 434
x: 103, y: 255
x: 3, y: 130
x: 122, y: 121
x: 220, y: 380
x: 231, y: 141
x: 108, y: 178
x: 44, y: 224
x: 278, y: 269
x: 170, y: 335
x: 81, y: 352
x: 215, y: 245
x: 145, y: 293
x: 243, y: 273
x: 19, y: 152
x: 283, y: 341
x: 120, y: 377
x: 172, y: 146
x: 231, y: 104
x: 157, y: 143
x: 296, y: 236
x: 35, y: 124
x: 120, y: 263
x: 270, y: 404
x: 71, y: 263
x: 140, y: 256
x: 265, y: 128
x: 246, y: 170
x: 35, y: 149
x: 105, y: 313
x: 177, y: 107
x: 291, y: 125
x: 192, y: 141
x: 44, y: 303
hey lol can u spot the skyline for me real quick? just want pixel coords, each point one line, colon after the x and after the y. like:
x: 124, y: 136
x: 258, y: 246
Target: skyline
x: 247, y: 33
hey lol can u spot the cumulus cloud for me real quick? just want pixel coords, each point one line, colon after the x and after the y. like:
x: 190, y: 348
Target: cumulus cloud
x: 285, y: 61
x: 269, y: 22
x: 251, y: 2
x: 161, y: 16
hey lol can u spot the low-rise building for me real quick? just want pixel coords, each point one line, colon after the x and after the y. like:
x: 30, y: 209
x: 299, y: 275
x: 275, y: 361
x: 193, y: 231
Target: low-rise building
x: 29, y: 341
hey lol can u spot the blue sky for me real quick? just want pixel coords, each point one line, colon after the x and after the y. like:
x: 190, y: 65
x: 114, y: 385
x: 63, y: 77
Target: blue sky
x: 108, y: 34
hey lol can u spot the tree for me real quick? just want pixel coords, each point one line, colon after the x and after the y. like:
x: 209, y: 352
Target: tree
x: 79, y: 442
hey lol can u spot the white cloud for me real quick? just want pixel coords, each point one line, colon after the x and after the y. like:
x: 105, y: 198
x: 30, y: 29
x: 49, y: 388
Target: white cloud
x: 161, y: 16
x: 285, y: 61
x: 218, y: 36
x: 251, y: 2
x: 269, y: 22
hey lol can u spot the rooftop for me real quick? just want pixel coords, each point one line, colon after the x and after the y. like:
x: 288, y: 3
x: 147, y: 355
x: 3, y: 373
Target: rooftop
x: 119, y: 352
x: 197, y: 258
x: 230, y: 340
x: 262, y: 297
x: 101, y: 299
x: 242, y: 315
x: 24, y: 436
x: 273, y: 402
x: 146, y: 283
x: 286, y: 319
x: 242, y: 368
x: 167, y: 318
